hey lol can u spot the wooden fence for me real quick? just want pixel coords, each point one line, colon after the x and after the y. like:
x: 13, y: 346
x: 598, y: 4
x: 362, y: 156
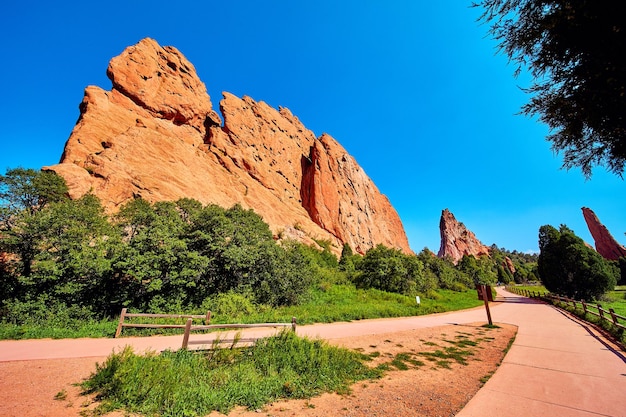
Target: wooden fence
x: 189, y: 326
x: 124, y: 315
x: 587, y: 308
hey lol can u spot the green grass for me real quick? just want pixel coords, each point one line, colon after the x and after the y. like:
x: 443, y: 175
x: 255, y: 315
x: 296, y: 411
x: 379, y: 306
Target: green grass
x: 103, y: 328
x: 186, y: 383
x: 285, y: 366
x: 345, y: 303
x: 536, y: 288
x: 325, y: 305
x: 616, y: 300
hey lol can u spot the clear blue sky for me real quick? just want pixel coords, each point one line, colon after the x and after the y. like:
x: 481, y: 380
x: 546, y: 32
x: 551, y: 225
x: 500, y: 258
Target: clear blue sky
x: 412, y: 89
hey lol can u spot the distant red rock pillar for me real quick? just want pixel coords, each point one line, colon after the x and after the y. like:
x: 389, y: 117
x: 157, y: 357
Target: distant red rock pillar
x: 606, y: 245
x: 456, y: 240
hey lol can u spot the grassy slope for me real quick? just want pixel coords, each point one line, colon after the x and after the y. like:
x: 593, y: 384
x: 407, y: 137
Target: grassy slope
x: 336, y: 303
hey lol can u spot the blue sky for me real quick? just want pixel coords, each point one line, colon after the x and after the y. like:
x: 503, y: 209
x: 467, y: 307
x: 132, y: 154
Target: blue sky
x: 414, y: 90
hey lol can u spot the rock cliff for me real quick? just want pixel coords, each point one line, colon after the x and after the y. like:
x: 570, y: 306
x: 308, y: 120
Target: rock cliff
x: 606, y: 245
x: 456, y: 240
x: 156, y: 135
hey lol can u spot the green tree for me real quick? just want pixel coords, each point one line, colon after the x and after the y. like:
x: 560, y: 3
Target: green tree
x: 293, y: 272
x: 621, y: 264
x: 574, y: 52
x: 444, y: 273
x: 157, y: 262
x: 348, y: 260
x: 74, y: 261
x: 391, y: 270
x: 24, y: 193
x: 480, y: 270
x: 568, y: 267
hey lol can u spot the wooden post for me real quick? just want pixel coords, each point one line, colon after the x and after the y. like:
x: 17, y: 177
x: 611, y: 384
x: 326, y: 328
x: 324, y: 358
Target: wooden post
x: 293, y: 324
x: 613, y: 316
x: 486, y: 300
x: 207, y: 319
x: 600, y: 311
x: 584, y: 307
x: 186, y: 335
x: 121, y: 323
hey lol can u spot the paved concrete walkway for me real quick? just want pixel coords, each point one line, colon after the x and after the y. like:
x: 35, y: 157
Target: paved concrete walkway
x: 557, y: 366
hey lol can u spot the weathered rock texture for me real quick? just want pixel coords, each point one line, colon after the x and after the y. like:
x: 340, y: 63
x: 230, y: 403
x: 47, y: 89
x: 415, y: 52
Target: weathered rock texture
x: 155, y: 135
x: 606, y: 245
x: 456, y: 240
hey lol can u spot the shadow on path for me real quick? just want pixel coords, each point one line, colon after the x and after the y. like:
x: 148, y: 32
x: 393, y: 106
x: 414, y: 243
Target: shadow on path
x: 588, y: 328
x: 517, y: 300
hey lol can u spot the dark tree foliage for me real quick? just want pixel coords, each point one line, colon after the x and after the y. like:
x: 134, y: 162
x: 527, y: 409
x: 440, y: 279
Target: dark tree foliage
x: 574, y: 51
x: 621, y: 264
x: 569, y: 267
x: 24, y: 193
x: 348, y: 259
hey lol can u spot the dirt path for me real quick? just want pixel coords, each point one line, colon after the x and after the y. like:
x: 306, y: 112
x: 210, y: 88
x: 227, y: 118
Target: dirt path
x: 46, y: 387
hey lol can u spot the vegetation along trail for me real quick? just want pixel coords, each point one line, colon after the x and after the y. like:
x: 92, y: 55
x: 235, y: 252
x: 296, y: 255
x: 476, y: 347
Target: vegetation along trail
x: 557, y: 365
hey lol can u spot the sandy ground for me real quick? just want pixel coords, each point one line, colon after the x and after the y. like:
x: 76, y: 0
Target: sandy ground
x: 47, y: 387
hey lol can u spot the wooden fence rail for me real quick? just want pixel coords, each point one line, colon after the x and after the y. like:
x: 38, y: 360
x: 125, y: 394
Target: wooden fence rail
x: 587, y: 308
x: 189, y: 326
x: 124, y: 315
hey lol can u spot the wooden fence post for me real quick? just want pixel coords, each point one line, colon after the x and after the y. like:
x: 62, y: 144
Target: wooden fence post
x: 120, y: 324
x: 584, y: 307
x: 207, y: 320
x: 601, y: 311
x: 293, y: 324
x: 613, y: 316
x: 484, y: 291
x: 187, y: 331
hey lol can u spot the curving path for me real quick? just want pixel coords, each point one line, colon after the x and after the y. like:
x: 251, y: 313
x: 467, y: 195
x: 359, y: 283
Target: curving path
x: 557, y: 366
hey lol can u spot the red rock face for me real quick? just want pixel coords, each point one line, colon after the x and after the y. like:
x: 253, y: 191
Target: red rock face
x: 456, y: 240
x: 606, y: 245
x: 508, y: 264
x: 156, y: 136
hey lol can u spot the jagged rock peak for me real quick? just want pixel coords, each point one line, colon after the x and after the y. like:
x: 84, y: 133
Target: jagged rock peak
x: 457, y: 240
x: 606, y: 245
x: 156, y: 136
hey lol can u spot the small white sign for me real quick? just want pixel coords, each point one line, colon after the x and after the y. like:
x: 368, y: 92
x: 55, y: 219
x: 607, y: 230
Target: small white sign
x: 417, y: 300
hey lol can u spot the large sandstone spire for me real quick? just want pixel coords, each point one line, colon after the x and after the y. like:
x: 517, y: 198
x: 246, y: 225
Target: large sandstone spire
x: 456, y: 240
x: 606, y: 245
x: 156, y: 135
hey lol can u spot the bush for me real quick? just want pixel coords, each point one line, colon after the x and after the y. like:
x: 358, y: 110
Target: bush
x: 229, y: 304
x: 390, y: 270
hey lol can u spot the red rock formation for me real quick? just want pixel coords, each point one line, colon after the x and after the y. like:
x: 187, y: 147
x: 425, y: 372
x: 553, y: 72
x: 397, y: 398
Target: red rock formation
x: 606, y: 245
x: 456, y: 240
x: 508, y: 264
x: 155, y: 135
